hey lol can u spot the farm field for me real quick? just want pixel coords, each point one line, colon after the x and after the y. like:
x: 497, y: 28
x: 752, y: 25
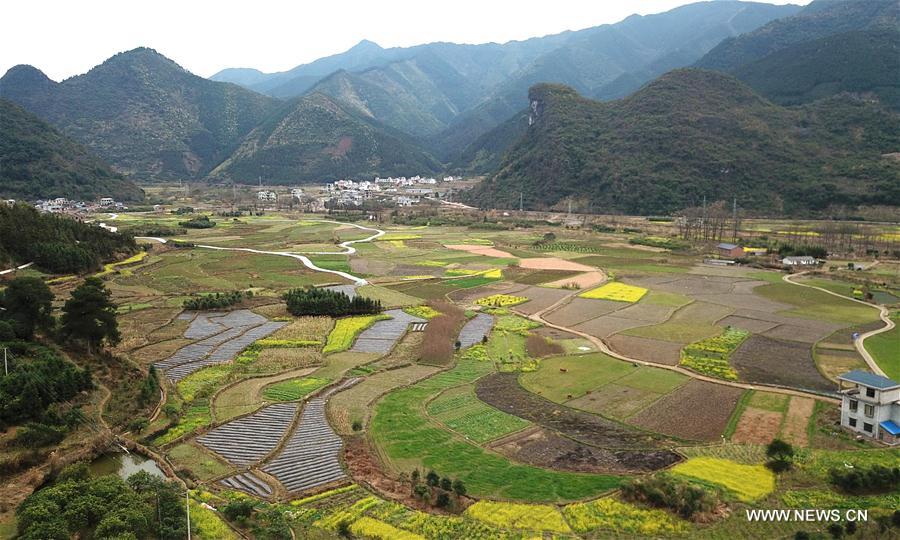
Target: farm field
x: 324, y: 420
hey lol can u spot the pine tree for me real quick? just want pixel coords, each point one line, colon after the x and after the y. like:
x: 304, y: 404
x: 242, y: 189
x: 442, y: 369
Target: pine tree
x: 90, y: 315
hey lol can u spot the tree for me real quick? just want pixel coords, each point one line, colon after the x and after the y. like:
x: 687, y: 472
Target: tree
x: 90, y: 316
x: 459, y: 488
x: 446, y: 484
x: 432, y: 478
x: 835, y: 530
x: 780, y: 454
x: 28, y: 305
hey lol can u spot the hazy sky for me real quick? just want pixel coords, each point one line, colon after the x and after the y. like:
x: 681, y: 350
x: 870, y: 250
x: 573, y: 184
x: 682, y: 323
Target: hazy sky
x: 65, y: 37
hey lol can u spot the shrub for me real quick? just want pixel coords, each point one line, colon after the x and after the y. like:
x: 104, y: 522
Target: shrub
x: 199, y: 222
x: 319, y: 301
x: 682, y: 497
x: 874, y: 479
x: 238, y: 510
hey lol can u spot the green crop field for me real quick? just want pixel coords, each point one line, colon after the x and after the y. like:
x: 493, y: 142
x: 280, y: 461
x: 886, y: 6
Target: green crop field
x: 409, y: 439
x: 293, y: 389
x: 566, y: 377
x: 465, y: 414
x: 815, y: 304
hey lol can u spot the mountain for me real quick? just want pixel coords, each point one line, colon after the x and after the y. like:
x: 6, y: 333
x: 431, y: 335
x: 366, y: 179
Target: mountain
x: 692, y: 134
x: 614, y: 60
x: 143, y: 113
x: 821, y: 18
x: 315, y: 138
x: 36, y: 161
x: 448, y: 95
x: 862, y: 61
x: 829, y: 47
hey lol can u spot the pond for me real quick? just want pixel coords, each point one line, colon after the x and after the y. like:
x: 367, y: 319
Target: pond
x: 884, y: 297
x: 124, y: 465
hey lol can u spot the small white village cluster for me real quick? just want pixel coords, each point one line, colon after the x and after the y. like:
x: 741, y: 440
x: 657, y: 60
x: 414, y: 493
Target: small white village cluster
x: 61, y: 205
x: 401, y: 190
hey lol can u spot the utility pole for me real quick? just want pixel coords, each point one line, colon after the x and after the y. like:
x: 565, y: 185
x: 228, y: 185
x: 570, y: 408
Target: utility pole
x: 734, y: 220
x: 521, y: 199
x: 5, y: 364
x: 187, y: 507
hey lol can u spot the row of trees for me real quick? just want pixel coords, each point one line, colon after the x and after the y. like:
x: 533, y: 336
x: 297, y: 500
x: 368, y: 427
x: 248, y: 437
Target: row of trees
x: 320, y: 301
x: 686, y: 499
x: 216, y: 300
x: 435, y: 490
x: 57, y: 244
x: 199, y: 222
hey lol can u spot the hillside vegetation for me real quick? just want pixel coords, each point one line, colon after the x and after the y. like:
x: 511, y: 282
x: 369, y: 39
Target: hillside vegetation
x: 314, y: 138
x: 55, y: 243
x: 692, y: 134
x: 143, y: 113
x: 37, y: 161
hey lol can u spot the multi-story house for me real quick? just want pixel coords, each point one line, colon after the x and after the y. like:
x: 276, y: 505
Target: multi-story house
x: 870, y: 405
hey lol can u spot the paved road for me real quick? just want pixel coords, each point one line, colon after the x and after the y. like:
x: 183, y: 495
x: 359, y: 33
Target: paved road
x: 11, y: 270
x: 861, y: 340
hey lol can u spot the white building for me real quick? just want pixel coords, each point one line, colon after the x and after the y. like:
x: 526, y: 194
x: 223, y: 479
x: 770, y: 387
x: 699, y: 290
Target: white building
x: 805, y: 260
x: 870, y: 406
x: 266, y: 196
x: 106, y: 201
x: 297, y: 193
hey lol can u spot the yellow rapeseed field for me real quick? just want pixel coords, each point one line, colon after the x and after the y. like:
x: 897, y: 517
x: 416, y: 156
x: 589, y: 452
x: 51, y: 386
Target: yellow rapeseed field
x: 747, y: 482
x: 534, y: 517
x: 500, y: 300
x: 614, y: 290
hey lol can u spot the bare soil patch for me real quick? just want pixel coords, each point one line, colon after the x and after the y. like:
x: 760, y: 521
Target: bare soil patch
x: 757, y: 426
x: 545, y: 448
x: 742, y: 301
x: 554, y: 263
x: 607, y: 325
x: 615, y: 400
x: 502, y: 391
x: 699, y: 410
x: 796, y: 421
x: 538, y: 277
x: 649, y: 313
x: 834, y: 362
x: 698, y: 285
x: 579, y: 310
x: 487, y: 251
x: 761, y: 359
x: 553, y: 333
x: 806, y: 332
x: 585, y: 280
x: 539, y: 298
x: 754, y: 326
x: 646, y: 349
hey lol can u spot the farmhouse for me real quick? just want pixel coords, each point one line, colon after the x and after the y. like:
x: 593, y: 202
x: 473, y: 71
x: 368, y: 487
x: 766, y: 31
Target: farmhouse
x: 805, y: 260
x: 266, y: 196
x: 730, y: 250
x: 870, y: 406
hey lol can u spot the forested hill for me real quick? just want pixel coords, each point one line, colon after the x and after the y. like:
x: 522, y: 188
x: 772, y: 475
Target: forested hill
x: 830, y: 47
x: 143, y: 113
x: 55, y: 243
x: 314, y: 138
x: 692, y: 134
x: 36, y: 161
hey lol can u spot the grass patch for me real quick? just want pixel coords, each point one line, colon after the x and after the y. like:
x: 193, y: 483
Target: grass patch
x: 570, y: 377
x: 885, y: 349
x: 815, y: 304
x: 748, y: 482
x: 616, y: 291
x: 200, y: 462
x: 293, y: 389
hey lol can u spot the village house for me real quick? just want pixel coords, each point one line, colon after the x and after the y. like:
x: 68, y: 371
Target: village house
x: 106, y: 201
x: 730, y: 250
x: 870, y: 406
x: 266, y: 196
x: 804, y: 260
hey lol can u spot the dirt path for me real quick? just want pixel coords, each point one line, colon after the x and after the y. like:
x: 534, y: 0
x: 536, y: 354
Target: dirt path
x: 860, y: 341
x: 602, y: 347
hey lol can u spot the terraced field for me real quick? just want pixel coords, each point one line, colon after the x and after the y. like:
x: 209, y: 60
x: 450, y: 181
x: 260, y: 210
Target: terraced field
x: 249, y: 439
x: 383, y: 335
x: 222, y: 338
x: 310, y: 457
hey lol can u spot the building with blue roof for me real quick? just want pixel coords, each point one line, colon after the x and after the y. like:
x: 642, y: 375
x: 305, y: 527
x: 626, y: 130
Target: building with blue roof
x: 870, y: 406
